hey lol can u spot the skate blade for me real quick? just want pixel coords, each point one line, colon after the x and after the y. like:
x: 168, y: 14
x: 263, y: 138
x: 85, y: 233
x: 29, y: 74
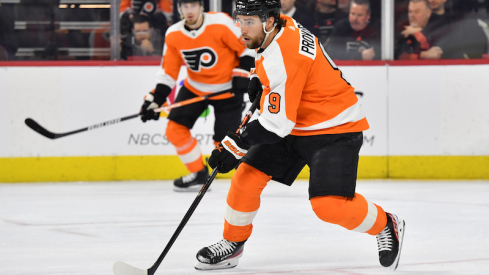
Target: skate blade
x: 401, y: 225
x: 230, y: 263
x: 193, y: 188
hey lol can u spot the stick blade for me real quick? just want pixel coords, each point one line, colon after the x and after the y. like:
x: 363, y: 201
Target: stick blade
x: 121, y: 268
x: 38, y: 128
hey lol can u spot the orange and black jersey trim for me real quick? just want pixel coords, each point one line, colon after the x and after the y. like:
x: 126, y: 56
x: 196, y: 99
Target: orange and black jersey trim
x: 304, y: 92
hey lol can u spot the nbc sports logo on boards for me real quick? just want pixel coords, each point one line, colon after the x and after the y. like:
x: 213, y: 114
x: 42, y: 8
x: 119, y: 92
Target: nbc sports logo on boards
x: 201, y: 57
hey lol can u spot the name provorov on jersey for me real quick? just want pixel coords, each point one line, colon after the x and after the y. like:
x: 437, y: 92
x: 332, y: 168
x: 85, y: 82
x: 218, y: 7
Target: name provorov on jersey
x: 308, y: 43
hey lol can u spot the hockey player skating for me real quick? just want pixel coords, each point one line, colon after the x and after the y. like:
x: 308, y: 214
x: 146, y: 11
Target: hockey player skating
x: 309, y: 115
x: 210, y: 45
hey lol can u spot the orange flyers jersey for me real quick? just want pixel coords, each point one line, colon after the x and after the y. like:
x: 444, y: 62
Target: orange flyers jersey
x: 210, y: 53
x: 304, y: 93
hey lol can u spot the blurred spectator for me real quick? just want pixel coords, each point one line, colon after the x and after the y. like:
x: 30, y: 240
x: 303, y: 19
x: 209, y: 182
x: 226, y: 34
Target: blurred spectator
x: 446, y: 35
x: 344, y: 5
x: 400, y: 15
x: 99, y: 39
x: 419, y: 39
x: 326, y: 15
x: 439, y: 16
x: 289, y: 9
x: 462, y: 7
x: 306, y: 6
x: 437, y: 6
x: 156, y: 11
x: 469, y: 29
x: 148, y: 7
x: 8, y: 43
x: 144, y: 41
x: 355, y: 38
x: 467, y: 38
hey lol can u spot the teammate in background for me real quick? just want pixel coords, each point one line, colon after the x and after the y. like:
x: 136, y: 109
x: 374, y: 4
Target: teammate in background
x: 355, y: 38
x: 309, y: 115
x: 210, y: 46
x: 289, y: 9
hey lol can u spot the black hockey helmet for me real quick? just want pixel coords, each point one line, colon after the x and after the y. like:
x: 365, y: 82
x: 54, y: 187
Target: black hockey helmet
x: 190, y: 1
x: 263, y: 8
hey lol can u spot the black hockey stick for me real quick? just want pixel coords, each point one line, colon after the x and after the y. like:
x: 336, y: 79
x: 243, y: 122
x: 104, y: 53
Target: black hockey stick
x: 121, y: 268
x: 43, y: 131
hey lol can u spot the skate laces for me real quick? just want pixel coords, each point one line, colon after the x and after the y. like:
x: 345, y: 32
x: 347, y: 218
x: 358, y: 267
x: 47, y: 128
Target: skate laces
x: 189, y: 178
x: 384, y: 240
x: 222, y: 247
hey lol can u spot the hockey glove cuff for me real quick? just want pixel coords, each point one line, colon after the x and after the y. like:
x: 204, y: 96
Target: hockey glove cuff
x: 240, y: 84
x: 228, y: 153
x: 154, y: 100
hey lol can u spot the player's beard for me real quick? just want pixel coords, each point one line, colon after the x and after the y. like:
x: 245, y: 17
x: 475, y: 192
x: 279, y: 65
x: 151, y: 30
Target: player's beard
x: 255, y: 43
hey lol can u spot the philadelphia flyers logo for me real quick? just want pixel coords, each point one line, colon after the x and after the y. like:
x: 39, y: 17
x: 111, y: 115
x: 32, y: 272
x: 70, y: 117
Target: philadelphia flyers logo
x: 149, y: 7
x: 142, y: 6
x: 201, y: 57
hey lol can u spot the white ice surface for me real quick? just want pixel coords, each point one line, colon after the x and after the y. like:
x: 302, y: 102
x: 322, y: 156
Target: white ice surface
x: 83, y: 228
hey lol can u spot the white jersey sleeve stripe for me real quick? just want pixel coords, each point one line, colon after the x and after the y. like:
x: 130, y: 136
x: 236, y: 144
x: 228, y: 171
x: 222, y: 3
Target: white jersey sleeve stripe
x: 248, y: 52
x: 209, y: 88
x: 163, y: 78
x: 352, y: 114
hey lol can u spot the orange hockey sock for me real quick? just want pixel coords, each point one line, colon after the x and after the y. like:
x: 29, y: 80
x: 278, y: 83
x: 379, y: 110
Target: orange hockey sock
x: 355, y: 213
x: 243, y: 202
x: 187, y: 147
